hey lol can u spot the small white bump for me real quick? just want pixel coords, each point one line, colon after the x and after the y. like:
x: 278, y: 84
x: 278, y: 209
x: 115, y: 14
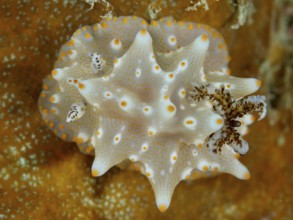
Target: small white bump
x: 215, y: 167
x: 203, y: 166
x: 105, y: 78
x: 108, y: 95
x: 194, y: 152
x: 218, y: 85
x: 163, y: 172
x: 99, y: 133
x: 202, y: 75
x: 172, y: 40
x: 152, y: 57
x: 54, y: 98
x: 182, y: 66
x: 138, y: 72
x: 164, y: 89
x: 170, y: 108
x: 186, y: 174
x: 149, y: 172
x: 156, y: 68
x: 169, y: 77
x: 116, y: 44
x: 133, y: 158
x: 216, y: 122
x: 72, y: 54
x: 57, y: 73
x: 198, y: 143
x: 144, y: 147
x: 125, y: 103
x: 117, y: 62
x: 190, y: 122
x: 182, y: 93
x: 117, y: 138
x: 82, y: 137
x: 151, y: 131
x: 147, y: 110
x: 70, y: 81
x: 229, y: 86
x: 219, y: 73
x: 173, y: 157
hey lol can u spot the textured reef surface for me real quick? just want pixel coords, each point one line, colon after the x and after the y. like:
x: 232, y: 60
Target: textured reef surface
x: 158, y: 95
x: 43, y: 177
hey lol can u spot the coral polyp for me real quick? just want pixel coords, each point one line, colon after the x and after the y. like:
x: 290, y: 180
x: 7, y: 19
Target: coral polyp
x: 157, y: 95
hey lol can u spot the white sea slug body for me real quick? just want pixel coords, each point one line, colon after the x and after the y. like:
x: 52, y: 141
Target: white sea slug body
x: 158, y: 95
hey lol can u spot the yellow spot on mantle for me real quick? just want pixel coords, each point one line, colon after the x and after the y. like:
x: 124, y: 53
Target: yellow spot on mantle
x: 162, y: 208
x: 189, y: 122
x: 45, y: 87
x: 70, y: 43
x: 182, y: 64
x: 63, y: 136
x: 169, y: 23
x: 219, y: 121
x: 88, y: 36
x: 52, y: 99
x: 54, y: 72
x: 143, y: 31
x: 205, y: 168
x: 171, y: 75
x: 246, y: 176
x: 89, y: 149
x: 154, y: 23
x: 116, y: 41
x: 104, y: 25
x: 78, y: 140
x: 220, y: 46
x: 204, y: 37
x: 151, y: 133
x: 81, y: 86
x: 95, y: 173
x: 125, y: 20
x: 171, y: 108
x: 123, y: 103
x: 181, y: 23
x: 258, y: 82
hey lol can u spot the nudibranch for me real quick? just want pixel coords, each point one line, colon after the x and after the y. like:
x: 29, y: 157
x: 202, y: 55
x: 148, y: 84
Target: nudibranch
x: 156, y: 96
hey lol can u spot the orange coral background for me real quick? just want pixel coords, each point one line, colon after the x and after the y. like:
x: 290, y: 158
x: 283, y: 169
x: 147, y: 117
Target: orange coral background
x: 42, y: 177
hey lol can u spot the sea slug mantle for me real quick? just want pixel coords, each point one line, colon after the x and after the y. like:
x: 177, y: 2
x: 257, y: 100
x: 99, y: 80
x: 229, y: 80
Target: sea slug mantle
x: 159, y: 96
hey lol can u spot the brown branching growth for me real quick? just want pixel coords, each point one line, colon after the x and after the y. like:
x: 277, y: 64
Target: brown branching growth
x: 231, y: 110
